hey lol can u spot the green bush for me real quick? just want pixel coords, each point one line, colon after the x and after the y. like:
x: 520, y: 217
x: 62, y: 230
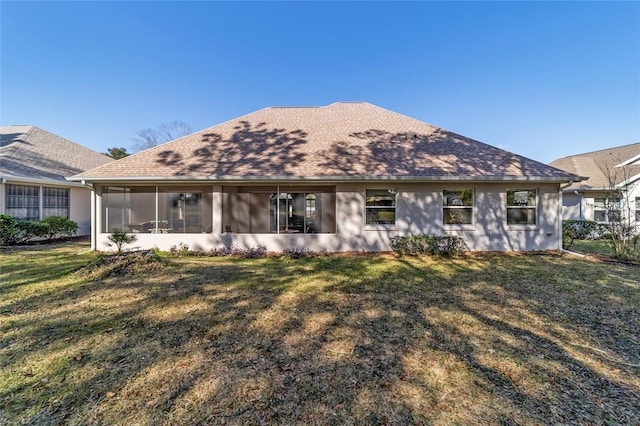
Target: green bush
x: 448, y: 245
x: 54, y: 227
x: 9, y: 232
x: 13, y: 231
x: 579, y: 230
x: 120, y: 238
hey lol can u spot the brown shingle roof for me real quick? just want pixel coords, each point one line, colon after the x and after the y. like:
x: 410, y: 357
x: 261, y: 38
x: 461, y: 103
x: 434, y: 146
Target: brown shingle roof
x: 603, y: 168
x: 30, y: 152
x: 339, y: 141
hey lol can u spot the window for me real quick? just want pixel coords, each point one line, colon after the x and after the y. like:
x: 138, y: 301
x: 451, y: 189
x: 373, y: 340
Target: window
x: 166, y: 209
x: 606, y: 209
x: 130, y: 208
x: 457, y: 207
x: 23, y: 202
x: 55, y: 202
x: 637, y: 209
x: 600, y: 209
x: 380, y: 207
x: 184, y: 210
x: 279, y: 209
x: 522, y: 206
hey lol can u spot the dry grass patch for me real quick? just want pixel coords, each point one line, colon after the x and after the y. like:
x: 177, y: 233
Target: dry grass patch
x: 489, y: 339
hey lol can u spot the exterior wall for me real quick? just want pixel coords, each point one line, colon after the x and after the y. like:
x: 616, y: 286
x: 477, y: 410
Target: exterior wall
x: 573, y: 206
x: 80, y: 209
x: 419, y: 211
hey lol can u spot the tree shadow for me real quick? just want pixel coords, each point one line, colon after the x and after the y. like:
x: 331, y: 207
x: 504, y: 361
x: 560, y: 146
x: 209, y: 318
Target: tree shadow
x: 440, y: 153
x: 332, y: 339
x: 251, y: 150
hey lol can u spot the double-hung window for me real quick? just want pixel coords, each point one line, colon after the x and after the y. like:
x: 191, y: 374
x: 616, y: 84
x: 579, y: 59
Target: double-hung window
x: 606, y: 210
x: 638, y: 209
x: 55, y: 202
x: 380, y: 207
x: 522, y: 206
x: 23, y: 202
x: 457, y: 207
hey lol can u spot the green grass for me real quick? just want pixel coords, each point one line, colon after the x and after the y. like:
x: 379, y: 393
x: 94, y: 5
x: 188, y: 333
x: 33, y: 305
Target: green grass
x: 595, y: 247
x: 353, y: 339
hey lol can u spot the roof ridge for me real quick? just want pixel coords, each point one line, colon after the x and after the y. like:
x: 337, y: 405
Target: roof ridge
x: 599, y: 150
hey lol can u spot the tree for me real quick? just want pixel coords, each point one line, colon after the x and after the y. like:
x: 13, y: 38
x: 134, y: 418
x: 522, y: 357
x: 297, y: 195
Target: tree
x: 117, y: 153
x: 165, y: 132
x: 621, y: 226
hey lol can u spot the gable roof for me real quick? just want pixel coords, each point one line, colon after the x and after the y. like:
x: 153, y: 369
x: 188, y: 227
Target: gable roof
x: 344, y: 140
x: 30, y: 152
x: 605, y: 168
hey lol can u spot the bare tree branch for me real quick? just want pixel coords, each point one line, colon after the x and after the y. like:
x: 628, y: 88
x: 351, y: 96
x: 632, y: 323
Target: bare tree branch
x: 165, y: 132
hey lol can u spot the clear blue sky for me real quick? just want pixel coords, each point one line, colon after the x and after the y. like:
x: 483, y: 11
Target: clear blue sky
x: 542, y: 79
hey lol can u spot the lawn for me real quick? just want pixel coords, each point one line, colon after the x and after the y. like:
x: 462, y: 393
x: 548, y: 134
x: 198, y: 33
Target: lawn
x: 357, y: 339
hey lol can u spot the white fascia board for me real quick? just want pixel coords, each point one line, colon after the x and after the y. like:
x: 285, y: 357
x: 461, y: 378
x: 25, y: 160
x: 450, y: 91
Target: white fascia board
x: 629, y: 161
x: 628, y: 181
x: 337, y: 179
x: 39, y: 181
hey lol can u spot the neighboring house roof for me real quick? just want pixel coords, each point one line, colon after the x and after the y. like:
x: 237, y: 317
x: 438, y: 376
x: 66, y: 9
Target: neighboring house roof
x: 344, y: 140
x: 606, y: 169
x: 34, y: 153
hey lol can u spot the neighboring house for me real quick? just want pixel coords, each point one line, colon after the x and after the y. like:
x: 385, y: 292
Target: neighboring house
x: 33, y: 167
x: 347, y: 176
x: 611, y: 171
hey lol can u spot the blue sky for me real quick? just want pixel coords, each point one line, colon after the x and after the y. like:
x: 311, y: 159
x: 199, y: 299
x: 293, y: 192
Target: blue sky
x: 542, y: 79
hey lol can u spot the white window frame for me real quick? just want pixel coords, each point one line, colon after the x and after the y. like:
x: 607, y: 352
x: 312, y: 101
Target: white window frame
x: 373, y: 208
x: 523, y: 206
x: 447, y: 208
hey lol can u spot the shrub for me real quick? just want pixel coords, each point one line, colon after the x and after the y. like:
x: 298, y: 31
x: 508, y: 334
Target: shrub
x: 448, y: 245
x: 181, y: 249
x: 53, y: 227
x: 298, y: 253
x: 120, y: 238
x: 14, y: 231
x: 579, y: 230
x: 247, y: 253
x: 9, y: 232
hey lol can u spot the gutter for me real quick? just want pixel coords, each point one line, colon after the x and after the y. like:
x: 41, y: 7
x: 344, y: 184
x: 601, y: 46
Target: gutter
x: 40, y: 181
x: 340, y: 179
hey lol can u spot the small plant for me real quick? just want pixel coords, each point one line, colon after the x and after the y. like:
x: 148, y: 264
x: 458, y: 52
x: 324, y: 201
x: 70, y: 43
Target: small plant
x: 298, y: 253
x: 120, y: 238
x: 181, y: 249
x: 447, y: 245
x: 246, y: 253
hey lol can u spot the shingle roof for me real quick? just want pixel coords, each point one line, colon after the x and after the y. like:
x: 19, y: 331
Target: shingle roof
x: 344, y: 140
x: 604, y: 168
x: 30, y: 152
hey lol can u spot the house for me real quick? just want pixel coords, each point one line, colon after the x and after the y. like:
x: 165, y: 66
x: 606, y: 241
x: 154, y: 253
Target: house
x: 33, y: 167
x: 347, y: 176
x: 613, y: 173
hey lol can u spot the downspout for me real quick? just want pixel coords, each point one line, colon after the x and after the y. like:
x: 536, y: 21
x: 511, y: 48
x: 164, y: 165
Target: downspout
x: 562, y: 188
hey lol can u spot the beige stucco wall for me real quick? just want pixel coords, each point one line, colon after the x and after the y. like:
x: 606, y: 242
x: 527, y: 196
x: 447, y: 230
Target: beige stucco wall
x: 419, y: 211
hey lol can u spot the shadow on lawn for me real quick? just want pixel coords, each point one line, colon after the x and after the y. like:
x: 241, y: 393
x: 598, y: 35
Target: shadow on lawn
x: 246, y: 342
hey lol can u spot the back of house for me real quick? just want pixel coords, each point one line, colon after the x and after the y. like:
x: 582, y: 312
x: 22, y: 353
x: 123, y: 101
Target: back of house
x: 344, y: 177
